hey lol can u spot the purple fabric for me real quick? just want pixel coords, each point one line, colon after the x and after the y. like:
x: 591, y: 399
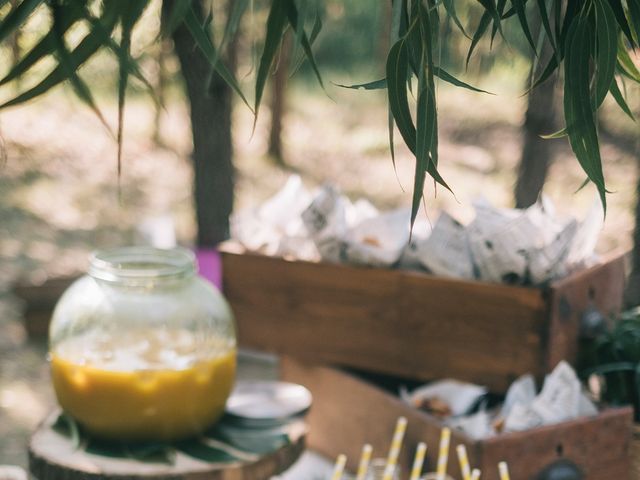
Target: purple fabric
x: 210, y: 265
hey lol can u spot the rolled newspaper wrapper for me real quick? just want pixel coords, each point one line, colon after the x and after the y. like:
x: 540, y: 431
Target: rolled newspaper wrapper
x: 504, y: 471
x: 475, y: 474
x: 365, y: 458
x: 418, y: 461
x: 394, y: 450
x: 443, y: 453
x: 338, y: 469
x: 464, y: 462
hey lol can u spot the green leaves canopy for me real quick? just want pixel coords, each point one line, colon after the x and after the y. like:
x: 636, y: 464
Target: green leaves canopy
x: 591, y: 39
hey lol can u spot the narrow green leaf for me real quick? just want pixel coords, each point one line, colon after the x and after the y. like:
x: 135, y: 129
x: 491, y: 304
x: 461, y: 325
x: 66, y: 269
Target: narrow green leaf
x: 634, y: 16
x: 450, y: 7
x: 551, y: 67
x: 174, y: 17
x: 579, y: 115
x: 298, y: 27
x: 625, y: 64
x: 276, y: 22
x: 375, y: 85
x: 17, y: 17
x: 68, y: 64
x: 485, y: 20
x: 87, y: 47
x: 619, y: 98
x: 397, y: 69
x: 606, y: 49
x: 130, y: 15
x: 44, y: 48
x: 447, y: 77
x: 492, y: 9
x: 105, y: 35
x: 621, y: 18
x: 559, y: 134
x: 315, y: 31
x: 204, y: 43
x: 497, y: 25
x: 520, y: 8
x: 546, y: 24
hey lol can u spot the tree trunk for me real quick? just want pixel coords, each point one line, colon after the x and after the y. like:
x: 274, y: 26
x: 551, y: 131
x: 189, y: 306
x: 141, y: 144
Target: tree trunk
x: 210, y: 100
x: 537, y: 153
x: 278, y: 102
x: 632, y: 293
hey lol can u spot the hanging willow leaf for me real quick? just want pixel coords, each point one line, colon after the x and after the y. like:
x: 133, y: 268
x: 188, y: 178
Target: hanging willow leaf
x: 634, y: 16
x: 298, y: 27
x: 201, y: 37
x: 625, y: 65
x: 519, y: 6
x: 68, y: 64
x: 485, y: 20
x: 375, y: 85
x: 559, y: 134
x: 174, y: 17
x: 606, y: 49
x: 276, y: 23
x: 297, y: 59
x: 45, y: 47
x: 89, y: 45
x: 17, y: 17
x: 447, y: 77
x: 546, y: 24
x: 129, y: 17
x: 450, y: 8
x: 579, y: 115
x: 397, y: 69
x: 621, y: 18
x: 619, y: 98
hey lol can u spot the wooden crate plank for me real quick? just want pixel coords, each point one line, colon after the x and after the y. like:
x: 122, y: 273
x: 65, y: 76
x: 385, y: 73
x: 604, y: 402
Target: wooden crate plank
x: 600, y: 287
x: 388, y: 321
x: 598, y: 445
x: 347, y: 413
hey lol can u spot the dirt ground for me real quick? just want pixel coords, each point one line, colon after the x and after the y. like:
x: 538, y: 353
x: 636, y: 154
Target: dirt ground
x: 59, y: 192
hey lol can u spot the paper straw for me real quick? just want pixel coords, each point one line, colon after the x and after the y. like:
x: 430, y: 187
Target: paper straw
x: 443, y: 453
x: 365, y: 458
x: 464, y: 462
x: 394, y: 450
x: 418, y: 461
x: 339, y: 467
x: 504, y: 471
x: 475, y: 474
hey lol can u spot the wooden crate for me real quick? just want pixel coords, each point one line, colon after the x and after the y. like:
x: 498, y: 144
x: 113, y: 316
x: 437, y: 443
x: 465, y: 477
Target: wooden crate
x: 412, y: 324
x: 348, y: 412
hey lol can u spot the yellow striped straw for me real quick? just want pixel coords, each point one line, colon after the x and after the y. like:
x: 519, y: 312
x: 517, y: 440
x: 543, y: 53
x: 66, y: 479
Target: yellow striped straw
x: 504, y: 471
x: 475, y: 474
x: 365, y: 458
x: 421, y: 450
x: 339, y: 467
x: 443, y: 453
x: 394, y: 450
x: 464, y: 462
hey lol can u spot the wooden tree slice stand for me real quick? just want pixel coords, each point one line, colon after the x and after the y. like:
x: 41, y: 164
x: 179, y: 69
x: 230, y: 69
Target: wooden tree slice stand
x: 52, y: 456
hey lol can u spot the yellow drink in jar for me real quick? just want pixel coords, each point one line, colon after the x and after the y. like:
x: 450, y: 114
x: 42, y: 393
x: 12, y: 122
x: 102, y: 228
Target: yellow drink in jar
x: 149, y: 384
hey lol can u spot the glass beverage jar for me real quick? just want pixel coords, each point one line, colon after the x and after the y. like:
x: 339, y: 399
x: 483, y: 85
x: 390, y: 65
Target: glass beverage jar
x: 142, y: 348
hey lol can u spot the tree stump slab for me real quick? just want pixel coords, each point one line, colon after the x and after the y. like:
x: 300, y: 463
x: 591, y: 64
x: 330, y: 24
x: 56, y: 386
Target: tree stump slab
x: 53, y: 456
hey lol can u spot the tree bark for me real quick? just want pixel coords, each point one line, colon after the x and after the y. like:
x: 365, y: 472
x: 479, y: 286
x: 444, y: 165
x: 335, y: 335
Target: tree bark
x: 210, y: 101
x: 540, y: 119
x: 278, y: 102
x: 632, y: 293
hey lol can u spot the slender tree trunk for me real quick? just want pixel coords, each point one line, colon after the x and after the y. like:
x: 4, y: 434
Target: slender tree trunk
x: 210, y: 100
x: 278, y: 102
x: 537, y: 153
x: 632, y: 294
